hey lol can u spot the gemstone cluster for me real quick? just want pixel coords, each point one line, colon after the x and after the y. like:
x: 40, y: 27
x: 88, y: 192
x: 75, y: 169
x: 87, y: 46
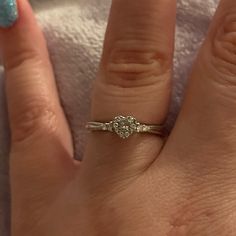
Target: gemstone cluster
x: 125, y: 126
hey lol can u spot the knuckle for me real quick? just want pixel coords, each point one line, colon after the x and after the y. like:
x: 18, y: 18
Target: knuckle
x: 224, y: 47
x: 37, y: 118
x: 113, y: 96
x: 23, y: 58
x: 135, y: 63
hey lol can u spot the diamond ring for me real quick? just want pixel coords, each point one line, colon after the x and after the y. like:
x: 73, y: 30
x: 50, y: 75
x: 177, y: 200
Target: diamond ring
x: 124, y: 127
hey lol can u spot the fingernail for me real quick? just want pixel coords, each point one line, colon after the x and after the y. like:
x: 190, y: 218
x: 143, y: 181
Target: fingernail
x: 8, y: 13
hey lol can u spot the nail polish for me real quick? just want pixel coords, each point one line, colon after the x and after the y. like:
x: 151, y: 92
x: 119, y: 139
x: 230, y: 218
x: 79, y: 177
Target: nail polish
x: 8, y: 13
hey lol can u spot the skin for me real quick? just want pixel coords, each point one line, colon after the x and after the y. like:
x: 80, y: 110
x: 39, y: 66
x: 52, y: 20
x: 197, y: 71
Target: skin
x: 182, y: 186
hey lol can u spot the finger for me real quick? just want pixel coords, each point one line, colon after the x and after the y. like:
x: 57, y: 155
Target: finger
x: 134, y: 79
x: 207, y: 120
x: 38, y: 125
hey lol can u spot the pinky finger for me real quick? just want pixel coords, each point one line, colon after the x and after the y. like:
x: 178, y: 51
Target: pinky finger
x: 37, y: 121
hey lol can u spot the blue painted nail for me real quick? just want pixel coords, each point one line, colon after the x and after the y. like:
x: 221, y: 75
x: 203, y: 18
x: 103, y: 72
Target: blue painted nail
x: 8, y: 13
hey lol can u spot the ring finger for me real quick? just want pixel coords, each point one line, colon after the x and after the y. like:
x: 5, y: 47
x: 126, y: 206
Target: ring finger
x: 134, y: 79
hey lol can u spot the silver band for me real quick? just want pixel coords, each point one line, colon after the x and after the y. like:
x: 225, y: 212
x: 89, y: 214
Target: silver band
x: 124, y: 127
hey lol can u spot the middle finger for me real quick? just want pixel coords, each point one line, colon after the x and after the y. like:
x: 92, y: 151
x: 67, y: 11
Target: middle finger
x: 206, y: 124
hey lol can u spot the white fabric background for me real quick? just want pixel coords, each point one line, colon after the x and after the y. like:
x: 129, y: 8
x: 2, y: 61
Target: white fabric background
x: 74, y: 30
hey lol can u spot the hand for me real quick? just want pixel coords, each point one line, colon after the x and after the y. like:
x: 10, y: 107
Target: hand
x: 142, y: 185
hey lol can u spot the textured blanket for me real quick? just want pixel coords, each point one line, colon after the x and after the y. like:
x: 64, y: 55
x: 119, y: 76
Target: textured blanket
x: 74, y: 30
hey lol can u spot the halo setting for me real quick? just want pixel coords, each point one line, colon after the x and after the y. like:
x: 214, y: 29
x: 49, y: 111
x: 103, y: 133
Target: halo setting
x: 124, y: 127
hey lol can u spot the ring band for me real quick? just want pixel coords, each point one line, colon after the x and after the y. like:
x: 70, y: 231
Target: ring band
x: 124, y: 127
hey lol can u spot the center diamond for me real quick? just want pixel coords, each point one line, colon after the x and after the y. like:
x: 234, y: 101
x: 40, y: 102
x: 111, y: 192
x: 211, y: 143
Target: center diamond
x: 125, y: 126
